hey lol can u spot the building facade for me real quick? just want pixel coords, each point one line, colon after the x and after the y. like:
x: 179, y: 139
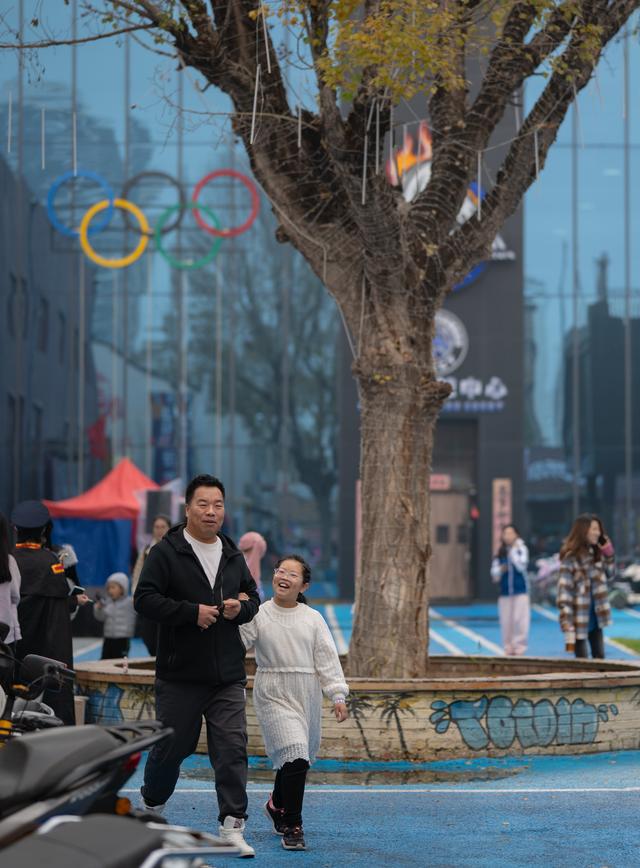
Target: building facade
x: 227, y: 362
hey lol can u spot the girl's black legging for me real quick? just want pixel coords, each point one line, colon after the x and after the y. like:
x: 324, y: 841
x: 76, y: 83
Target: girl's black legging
x: 596, y: 641
x: 288, y: 791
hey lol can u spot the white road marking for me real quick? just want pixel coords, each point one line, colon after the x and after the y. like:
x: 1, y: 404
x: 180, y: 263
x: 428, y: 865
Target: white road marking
x: 338, y: 635
x: 553, y: 616
x: 546, y: 613
x: 470, y: 634
x: 87, y: 649
x: 408, y: 790
x: 444, y: 643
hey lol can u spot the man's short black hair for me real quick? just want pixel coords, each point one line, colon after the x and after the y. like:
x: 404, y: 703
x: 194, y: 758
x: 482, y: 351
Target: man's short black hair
x: 206, y: 480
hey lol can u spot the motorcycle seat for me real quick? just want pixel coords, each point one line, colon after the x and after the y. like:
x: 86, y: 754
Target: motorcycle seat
x: 32, y: 766
x: 98, y: 841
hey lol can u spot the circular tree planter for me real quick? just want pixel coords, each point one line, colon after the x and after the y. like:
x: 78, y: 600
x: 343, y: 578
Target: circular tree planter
x: 469, y: 706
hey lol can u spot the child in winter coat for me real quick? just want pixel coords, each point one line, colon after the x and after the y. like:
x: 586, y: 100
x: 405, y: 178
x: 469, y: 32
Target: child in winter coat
x: 297, y: 662
x: 509, y: 567
x: 118, y: 615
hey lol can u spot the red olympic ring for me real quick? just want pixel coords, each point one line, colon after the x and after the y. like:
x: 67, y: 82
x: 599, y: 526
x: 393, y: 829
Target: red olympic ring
x: 255, y: 203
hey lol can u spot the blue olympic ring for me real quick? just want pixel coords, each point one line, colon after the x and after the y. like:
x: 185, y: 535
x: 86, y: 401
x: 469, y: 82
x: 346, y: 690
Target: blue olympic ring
x: 53, y: 192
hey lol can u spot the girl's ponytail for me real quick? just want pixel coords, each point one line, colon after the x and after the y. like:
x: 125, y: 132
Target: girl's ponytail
x: 302, y: 599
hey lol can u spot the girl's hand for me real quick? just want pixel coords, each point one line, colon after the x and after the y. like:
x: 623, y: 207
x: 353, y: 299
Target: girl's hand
x: 231, y: 609
x: 341, y: 712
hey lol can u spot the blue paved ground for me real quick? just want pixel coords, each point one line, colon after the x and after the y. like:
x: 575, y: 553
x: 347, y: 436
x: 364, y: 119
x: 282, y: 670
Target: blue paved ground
x: 560, y: 812
x: 472, y: 629
x: 552, y: 811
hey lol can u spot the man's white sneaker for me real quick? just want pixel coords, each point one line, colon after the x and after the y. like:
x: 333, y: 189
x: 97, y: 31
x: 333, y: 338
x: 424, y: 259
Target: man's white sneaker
x: 156, y: 809
x: 232, y: 831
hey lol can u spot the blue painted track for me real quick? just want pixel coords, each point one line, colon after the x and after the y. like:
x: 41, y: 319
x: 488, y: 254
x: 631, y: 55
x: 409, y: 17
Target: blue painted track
x: 552, y: 811
x: 560, y: 812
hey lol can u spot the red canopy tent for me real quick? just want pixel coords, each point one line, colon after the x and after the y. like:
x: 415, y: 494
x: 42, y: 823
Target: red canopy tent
x: 112, y: 497
x: 99, y: 523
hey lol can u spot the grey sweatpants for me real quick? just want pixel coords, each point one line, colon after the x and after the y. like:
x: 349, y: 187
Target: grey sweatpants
x: 182, y: 707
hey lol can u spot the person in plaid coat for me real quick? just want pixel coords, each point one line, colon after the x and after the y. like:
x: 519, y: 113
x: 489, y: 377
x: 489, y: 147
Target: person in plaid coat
x: 586, y: 562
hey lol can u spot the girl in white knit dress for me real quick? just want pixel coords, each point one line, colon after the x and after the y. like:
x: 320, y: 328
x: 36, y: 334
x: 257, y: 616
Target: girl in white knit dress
x: 296, y: 661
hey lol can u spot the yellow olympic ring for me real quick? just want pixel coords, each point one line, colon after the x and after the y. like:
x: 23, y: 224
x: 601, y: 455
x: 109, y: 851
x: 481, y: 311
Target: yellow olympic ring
x: 123, y: 261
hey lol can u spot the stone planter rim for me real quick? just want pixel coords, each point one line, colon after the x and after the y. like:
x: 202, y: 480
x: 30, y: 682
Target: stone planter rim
x: 605, y: 674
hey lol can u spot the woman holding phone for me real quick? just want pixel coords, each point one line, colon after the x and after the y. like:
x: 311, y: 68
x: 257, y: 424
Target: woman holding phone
x: 586, y: 562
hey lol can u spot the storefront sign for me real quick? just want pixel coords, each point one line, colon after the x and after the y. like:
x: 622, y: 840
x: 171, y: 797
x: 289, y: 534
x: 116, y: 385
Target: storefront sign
x: 502, y: 508
x: 440, y: 482
x: 473, y: 395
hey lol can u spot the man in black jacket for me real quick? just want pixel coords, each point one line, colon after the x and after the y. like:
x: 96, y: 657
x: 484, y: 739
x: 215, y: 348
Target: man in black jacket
x: 190, y: 585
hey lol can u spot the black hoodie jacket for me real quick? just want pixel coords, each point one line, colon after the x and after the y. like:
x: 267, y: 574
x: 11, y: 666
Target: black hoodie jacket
x: 171, y: 587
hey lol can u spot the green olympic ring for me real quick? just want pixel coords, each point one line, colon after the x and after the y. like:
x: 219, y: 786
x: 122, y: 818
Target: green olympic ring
x: 178, y: 263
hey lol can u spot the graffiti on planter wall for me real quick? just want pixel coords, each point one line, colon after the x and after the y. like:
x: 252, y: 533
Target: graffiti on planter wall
x: 500, y: 722
x: 103, y: 706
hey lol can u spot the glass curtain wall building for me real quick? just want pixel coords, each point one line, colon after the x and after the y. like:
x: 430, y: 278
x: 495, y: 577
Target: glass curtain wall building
x: 582, y: 314
x: 204, y: 354
x: 231, y: 360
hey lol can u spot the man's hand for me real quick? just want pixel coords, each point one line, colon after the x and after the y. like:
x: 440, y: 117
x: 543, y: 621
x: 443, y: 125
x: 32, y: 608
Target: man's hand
x: 81, y: 599
x: 231, y: 609
x: 340, y: 711
x: 207, y: 615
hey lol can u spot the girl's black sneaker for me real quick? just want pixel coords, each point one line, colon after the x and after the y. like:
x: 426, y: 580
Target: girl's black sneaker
x: 275, y: 816
x: 293, y: 838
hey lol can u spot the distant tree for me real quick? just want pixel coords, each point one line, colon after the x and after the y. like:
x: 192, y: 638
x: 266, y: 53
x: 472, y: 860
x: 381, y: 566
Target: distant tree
x: 285, y: 359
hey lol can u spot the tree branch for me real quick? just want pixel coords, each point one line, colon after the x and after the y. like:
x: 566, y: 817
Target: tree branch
x: 472, y: 241
x: 49, y: 43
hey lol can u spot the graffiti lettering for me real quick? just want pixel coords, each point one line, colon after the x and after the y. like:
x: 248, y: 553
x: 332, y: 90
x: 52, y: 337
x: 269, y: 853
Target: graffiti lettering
x: 501, y: 723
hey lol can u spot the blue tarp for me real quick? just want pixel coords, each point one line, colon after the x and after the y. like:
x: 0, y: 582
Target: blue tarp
x: 103, y: 546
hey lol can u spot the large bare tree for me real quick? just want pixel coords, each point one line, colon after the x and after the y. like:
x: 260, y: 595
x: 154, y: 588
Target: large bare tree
x: 387, y: 263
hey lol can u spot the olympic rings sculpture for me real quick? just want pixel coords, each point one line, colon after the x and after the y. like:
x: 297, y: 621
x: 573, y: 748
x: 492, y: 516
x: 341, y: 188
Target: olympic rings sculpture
x: 169, y: 220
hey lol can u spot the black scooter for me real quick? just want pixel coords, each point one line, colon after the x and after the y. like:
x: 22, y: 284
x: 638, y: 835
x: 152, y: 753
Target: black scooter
x: 113, y: 842
x: 67, y: 770
x: 21, y: 685
x: 71, y: 770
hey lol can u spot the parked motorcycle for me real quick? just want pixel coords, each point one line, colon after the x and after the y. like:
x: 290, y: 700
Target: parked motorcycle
x: 70, y: 770
x: 22, y: 683
x: 103, y: 841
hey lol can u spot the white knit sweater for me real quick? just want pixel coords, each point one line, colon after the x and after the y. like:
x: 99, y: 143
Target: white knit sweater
x: 296, y: 660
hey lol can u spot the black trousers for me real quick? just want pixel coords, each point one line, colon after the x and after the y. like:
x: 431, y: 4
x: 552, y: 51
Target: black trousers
x: 182, y: 706
x: 62, y: 703
x: 113, y: 648
x: 596, y: 641
x: 288, y: 791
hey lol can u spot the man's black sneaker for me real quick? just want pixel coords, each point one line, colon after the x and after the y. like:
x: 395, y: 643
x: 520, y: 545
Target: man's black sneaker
x: 275, y: 816
x: 293, y: 838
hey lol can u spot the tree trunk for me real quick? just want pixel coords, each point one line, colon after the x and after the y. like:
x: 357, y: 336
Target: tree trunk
x: 399, y: 407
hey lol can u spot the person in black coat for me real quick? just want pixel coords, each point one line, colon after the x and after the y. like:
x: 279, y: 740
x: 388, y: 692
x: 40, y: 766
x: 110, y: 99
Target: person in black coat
x: 46, y: 604
x: 190, y: 585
